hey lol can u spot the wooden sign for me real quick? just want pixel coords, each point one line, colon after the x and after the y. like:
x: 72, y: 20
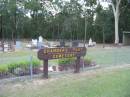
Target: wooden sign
x: 57, y: 53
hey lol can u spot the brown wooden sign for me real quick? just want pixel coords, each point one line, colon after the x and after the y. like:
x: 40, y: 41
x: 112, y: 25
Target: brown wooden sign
x: 57, y: 53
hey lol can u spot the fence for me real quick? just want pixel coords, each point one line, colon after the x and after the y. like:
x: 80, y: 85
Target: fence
x: 20, y: 63
x: 29, y: 67
x: 19, y: 67
x: 24, y: 63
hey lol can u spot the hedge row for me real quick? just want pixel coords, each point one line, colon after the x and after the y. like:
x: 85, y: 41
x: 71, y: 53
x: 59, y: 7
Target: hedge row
x: 68, y: 61
x: 22, y: 64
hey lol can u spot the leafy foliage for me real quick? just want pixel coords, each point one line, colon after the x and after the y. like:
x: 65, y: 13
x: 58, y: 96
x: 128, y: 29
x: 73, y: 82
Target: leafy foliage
x: 23, y: 64
x: 66, y: 61
x: 60, y: 19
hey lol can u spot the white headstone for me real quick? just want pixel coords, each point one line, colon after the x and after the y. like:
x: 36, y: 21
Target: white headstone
x: 90, y: 42
x: 18, y: 45
x: 34, y: 42
x: 40, y: 39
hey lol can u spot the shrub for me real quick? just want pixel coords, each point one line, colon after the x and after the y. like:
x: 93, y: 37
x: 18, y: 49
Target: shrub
x: 3, y: 68
x: 66, y: 61
x: 19, y: 68
x: 36, y: 63
x: 88, y: 61
x: 24, y: 65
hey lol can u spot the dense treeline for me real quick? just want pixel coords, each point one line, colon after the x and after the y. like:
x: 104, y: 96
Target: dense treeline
x: 59, y: 19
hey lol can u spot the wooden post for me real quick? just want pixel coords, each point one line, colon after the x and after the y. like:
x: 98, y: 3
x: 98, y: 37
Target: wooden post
x: 77, y: 65
x: 45, y: 69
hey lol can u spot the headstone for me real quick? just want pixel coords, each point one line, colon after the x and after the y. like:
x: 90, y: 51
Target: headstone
x: 40, y: 39
x: 40, y: 42
x: 34, y: 42
x: 62, y: 44
x: 10, y: 46
x: 18, y: 45
x: 5, y: 47
x: 75, y: 44
x: 90, y: 42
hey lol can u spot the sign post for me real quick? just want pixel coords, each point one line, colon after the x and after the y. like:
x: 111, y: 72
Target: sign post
x: 57, y: 53
x: 77, y: 65
x: 45, y: 70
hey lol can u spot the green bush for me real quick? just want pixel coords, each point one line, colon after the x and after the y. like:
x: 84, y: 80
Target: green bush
x: 3, y: 68
x: 35, y: 63
x: 88, y: 61
x: 66, y: 61
x: 23, y: 65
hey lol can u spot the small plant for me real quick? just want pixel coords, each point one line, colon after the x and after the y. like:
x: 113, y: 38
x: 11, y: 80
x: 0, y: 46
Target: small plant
x: 23, y: 64
x: 23, y: 67
x: 35, y: 63
x: 66, y: 61
x: 88, y: 61
x: 3, y: 68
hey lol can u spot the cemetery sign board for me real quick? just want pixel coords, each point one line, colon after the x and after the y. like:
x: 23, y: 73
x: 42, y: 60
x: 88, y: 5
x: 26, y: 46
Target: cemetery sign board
x: 57, y: 53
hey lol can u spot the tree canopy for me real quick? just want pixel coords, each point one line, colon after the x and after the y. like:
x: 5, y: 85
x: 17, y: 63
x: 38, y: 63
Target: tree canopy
x: 59, y: 19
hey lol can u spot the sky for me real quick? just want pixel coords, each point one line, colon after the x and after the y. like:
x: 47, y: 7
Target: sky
x: 104, y: 4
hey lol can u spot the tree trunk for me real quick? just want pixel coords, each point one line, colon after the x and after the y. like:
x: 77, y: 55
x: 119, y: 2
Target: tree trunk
x: 116, y: 12
x: 116, y: 29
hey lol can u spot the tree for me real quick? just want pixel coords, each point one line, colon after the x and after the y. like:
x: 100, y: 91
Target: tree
x: 68, y: 19
x: 116, y: 11
x: 104, y: 26
x: 89, y: 12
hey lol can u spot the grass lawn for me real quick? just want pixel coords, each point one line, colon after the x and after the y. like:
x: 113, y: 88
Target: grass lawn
x: 110, y: 56
x: 103, y: 57
x: 10, y: 57
x: 18, y: 56
x: 99, y: 83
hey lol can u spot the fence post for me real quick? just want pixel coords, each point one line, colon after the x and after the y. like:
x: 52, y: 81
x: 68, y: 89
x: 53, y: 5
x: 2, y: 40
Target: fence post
x: 31, y: 68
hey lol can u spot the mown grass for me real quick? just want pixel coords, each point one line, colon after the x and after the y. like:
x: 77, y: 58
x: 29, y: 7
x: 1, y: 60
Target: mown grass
x: 17, y: 56
x: 94, y: 84
x: 103, y: 57
x: 112, y: 56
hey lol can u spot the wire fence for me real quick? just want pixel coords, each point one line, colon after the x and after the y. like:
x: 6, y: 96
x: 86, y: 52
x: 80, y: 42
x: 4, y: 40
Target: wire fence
x: 24, y: 64
x: 17, y: 68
